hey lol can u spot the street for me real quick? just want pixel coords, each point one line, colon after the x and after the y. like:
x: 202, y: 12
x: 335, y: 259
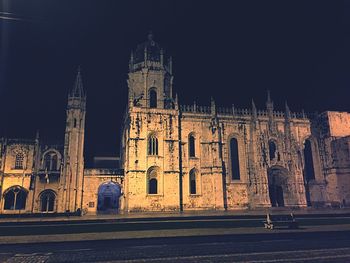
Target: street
x: 324, y: 246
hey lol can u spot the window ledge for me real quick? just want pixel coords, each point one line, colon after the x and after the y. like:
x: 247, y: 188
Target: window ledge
x: 193, y: 158
x: 154, y: 156
x: 194, y: 195
x: 155, y: 195
x: 236, y: 181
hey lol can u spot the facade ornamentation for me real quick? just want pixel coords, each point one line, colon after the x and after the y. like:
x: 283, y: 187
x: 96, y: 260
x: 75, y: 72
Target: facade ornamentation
x: 182, y: 157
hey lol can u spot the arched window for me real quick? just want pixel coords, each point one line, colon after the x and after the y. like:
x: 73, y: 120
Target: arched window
x: 152, y: 98
x: 54, y: 162
x: 19, y: 161
x: 235, y: 173
x: 50, y: 161
x: 152, y: 181
x: 193, y: 187
x: 309, y: 164
x: 152, y: 186
x: 75, y: 123
x: 15, y: 198
x: 191, y: 146
x: 47, y: 201
x: 272, y: 150
x: 152, y: 145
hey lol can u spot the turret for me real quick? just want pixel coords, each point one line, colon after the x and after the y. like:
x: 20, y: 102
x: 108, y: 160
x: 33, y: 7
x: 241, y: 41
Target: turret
x: 150, y: 79
x: 254, y: 111
x: 269, y: 103
x: 287, y: 114
x: 71, y: 181
x: 269, y: 108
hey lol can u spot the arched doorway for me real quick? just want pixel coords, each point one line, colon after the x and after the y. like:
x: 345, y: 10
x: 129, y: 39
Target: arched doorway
x: 278, y: 177
x: 108, y: 197
x: 15, y: 198
x: 47, y: 201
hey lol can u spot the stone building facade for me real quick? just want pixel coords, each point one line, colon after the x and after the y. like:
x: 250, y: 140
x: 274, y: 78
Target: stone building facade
x: 182, y: 157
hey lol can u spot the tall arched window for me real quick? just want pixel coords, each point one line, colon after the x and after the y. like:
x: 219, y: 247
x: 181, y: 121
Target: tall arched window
x: 152, y: 181
x: 152, y: 98
x: 193, y: 186
x: 47, y: 201
x: 309, y: 164
x: 50, y: 161
x: 235, y: 173
x: 19, y: 161
x: 272, y: 150
x: 54, y: 160
x: 191, y: 146
x: 152, y: 145
x: 15, y: 198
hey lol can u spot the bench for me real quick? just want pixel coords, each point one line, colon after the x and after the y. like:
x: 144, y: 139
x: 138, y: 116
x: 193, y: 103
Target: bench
x: 273, y: 221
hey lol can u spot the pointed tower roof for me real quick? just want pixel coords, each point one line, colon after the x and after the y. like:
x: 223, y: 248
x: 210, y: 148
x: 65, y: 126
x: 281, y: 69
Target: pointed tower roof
x: 78, y: 90
x: 254, y: 111
x: 269, y: 102
x: 287, y: 111
x: 268, y: 96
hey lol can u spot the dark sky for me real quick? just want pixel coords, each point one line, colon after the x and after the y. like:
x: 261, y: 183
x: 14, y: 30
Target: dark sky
x: 231, y: 50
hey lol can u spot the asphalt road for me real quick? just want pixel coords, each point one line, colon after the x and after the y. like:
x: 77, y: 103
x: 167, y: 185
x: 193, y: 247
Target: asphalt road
x: 331, y: 246
x: 101, y: 226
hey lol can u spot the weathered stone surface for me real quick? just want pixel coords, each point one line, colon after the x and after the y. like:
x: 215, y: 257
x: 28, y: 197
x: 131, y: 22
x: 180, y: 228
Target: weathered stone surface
x: 187, y: 157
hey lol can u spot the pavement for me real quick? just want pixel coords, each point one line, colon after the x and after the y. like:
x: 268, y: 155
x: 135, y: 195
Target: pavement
x: 163, y: 233
x: 314, y: 245
x: 209, y: 236
x: 136, y: 226
x: 261, y: 212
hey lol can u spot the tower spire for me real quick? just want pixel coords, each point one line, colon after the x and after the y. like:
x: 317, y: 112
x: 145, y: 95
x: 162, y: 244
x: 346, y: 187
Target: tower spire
x: 287, y: 112
x: 254, y: 111
x: 78, y: 90
x: 269, y: 103
x: 150, y: 36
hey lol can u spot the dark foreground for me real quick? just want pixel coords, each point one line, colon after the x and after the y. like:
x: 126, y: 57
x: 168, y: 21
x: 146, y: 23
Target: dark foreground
x: 331, y: 246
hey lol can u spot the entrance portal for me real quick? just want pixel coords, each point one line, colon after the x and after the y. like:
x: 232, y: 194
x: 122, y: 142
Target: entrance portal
x: 277, y: 177
x: 108, y: 197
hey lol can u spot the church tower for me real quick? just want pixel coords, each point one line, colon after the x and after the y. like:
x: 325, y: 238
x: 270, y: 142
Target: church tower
x: 71, y: 182
x: 150, y: 136
x: 150, y: 76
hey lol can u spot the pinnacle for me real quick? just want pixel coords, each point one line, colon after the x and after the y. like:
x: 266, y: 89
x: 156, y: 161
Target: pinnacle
x: 78, y: 90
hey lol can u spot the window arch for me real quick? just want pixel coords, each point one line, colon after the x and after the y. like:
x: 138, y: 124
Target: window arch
x: 234, y: 158
x: 152, y: 145
x: 19, y: 161
x: 15, y: 198
x: 191, y: 146
x: 47, y: 201
x: 193, y: 184
x: 153, y: 98
x: 152, y: 178
x: 309, y: 171
x: 50, y: 161
x: 272, y: 150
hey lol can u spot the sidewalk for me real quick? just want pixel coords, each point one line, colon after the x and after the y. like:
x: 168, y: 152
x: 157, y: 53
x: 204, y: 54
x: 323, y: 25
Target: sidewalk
x: 163, y: 215
x: 125, y: 235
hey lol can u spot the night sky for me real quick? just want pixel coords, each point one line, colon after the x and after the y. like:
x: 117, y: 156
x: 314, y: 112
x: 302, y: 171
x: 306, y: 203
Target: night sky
x: 231, y: 50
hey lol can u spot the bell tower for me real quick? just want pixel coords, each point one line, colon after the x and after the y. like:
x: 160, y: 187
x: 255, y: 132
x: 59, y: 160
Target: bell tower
x: 71, y: 181
x: 150, y: 79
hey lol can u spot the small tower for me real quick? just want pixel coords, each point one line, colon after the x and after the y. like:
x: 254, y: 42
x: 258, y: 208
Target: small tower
x: 254, y: 112
x: 150, y: 76
x: 287, y: 126
x: 269, y: 108
x: 269, y: 103
x: 71, y: 181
